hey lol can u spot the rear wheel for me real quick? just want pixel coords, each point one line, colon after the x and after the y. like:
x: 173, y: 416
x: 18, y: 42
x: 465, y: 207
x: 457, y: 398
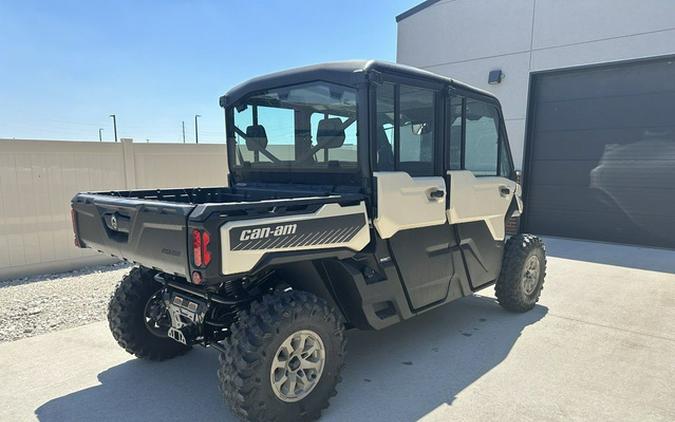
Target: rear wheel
x: 522, y: 276
x: 138, y: 319
x: 283, y: 358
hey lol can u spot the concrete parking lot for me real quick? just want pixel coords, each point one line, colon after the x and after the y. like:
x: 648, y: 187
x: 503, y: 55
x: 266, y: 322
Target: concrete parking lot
x: 599, y: 346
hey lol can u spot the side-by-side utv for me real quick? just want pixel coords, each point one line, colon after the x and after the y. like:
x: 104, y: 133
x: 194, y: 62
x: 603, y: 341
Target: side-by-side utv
x: 360, y: 194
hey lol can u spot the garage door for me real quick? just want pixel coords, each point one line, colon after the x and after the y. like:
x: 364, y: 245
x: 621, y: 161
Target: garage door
x: 601, y: 154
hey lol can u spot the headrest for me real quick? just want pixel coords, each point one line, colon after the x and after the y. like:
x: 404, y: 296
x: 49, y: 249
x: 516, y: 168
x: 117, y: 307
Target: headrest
x: 256, y: 138
x: 330, y: 133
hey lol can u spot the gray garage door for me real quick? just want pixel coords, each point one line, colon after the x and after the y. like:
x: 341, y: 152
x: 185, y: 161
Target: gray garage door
x: 601, y: 154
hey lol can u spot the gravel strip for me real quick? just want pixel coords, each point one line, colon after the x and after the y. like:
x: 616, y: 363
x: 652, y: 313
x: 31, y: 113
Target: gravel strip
x: 36, y: 305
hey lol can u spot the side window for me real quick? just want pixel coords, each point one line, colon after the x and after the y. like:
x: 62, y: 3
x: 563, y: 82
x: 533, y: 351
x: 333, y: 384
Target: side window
x: 405, y: 129
x: 416, y: 131
x: 481, y: 153
x: 385, y: 127
x: 455, y: 133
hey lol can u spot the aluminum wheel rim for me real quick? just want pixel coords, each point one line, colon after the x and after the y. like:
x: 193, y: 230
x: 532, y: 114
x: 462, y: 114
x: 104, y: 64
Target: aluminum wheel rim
x: 297, y: 366
x: 531, y: 274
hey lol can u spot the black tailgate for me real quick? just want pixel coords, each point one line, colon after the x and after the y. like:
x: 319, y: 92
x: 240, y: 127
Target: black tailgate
x: 149, y: 232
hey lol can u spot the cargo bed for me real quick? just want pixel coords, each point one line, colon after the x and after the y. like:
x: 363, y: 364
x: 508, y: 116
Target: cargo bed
x: 150, y: 227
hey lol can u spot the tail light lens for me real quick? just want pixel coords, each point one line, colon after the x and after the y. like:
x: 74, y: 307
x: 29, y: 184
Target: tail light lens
x: 201, y: 254
x: 206, y: 253
x: 197, y: 247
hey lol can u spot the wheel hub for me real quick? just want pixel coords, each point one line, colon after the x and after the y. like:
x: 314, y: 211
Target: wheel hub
x: 297, y: 366
x: 156, y: 317
x: 531, y: 274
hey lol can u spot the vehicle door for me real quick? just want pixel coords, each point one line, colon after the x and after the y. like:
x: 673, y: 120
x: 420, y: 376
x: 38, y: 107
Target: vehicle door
x: 410, y: 188
x: 479, y: 172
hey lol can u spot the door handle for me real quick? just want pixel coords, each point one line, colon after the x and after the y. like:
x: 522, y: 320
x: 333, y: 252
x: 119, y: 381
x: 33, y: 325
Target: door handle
x: 436, y: 194
x: 504, y: 190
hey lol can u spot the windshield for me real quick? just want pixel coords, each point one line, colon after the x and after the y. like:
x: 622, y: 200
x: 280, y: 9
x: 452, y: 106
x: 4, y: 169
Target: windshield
x: 302, y: 127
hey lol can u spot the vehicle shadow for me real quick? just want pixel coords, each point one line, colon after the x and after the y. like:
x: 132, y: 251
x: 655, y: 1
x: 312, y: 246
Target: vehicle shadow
x: 401, y: 373
x: 638, y: 257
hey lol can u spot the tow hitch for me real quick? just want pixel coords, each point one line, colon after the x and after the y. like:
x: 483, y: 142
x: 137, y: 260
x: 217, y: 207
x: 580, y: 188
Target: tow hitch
x: 196, y: 315
x: 187, y: 317
x: 177, y: 335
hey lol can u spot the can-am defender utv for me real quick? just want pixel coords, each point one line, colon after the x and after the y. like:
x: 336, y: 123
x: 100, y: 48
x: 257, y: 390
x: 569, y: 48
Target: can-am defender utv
x: 360, y: 194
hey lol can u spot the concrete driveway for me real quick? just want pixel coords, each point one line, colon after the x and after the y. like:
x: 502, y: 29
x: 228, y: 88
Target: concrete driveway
x: 600, y: 346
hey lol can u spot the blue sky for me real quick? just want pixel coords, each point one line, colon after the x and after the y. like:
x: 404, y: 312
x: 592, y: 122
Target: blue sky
x: 65, y: 66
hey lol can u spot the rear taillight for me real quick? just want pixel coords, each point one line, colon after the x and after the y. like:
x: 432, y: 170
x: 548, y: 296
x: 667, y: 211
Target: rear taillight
x: 73, y: 217
x: 197, y: 247
x: 201, y: 255
x: 206, y: 253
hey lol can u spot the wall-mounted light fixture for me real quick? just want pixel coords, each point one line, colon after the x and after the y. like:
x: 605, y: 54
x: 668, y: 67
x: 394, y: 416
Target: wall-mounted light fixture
x: 495, y: 77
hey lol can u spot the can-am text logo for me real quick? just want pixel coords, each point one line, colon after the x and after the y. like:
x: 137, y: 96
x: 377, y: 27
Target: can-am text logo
x: 265, y: 232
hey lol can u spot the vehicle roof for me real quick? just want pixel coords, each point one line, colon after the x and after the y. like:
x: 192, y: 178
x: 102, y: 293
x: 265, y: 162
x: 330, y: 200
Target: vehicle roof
x: 350, y: 72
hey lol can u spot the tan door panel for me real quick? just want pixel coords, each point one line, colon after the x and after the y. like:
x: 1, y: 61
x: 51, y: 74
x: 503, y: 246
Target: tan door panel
x: 484, y: 198
x: 404, y: 202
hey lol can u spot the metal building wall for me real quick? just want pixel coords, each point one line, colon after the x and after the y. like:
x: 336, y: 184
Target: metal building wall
x: 465, y: 39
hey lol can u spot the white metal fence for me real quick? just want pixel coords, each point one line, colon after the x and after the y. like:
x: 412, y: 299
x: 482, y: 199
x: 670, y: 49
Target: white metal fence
x: 39, y: 178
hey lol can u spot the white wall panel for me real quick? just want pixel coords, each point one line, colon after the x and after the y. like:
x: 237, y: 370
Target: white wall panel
x: 512, y: 92
x: 576, y: 21
x: 634, y: 47
x: 460, y: 30
x: 174, y: 164
x: 464, y: 39
x: 516, y: 132
x: 39, y: 178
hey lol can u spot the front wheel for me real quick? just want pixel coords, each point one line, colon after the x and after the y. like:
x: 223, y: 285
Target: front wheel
x: 283, y: 358
x: 522, y: 276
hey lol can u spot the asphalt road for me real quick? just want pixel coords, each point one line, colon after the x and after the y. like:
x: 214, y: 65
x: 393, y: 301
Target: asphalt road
x: 600, y: 346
